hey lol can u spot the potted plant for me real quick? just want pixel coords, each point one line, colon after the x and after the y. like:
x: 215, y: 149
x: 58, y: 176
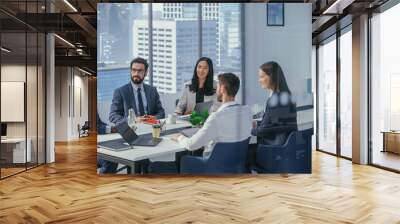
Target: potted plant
x: 198, y: 119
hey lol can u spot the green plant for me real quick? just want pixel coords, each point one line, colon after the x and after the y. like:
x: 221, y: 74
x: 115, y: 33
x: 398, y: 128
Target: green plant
x: 198, y: 118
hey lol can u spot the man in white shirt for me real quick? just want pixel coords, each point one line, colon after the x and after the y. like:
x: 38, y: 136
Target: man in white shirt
x: 232, y: 122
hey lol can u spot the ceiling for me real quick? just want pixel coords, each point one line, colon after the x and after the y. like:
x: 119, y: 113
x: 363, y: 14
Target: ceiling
x: 332, y: 15
x: 75, y: 21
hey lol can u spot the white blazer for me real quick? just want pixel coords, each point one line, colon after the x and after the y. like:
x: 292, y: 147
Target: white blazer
x: 187, y: 102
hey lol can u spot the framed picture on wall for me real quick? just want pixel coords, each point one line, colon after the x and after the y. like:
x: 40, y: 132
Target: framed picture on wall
x: 275, y: 14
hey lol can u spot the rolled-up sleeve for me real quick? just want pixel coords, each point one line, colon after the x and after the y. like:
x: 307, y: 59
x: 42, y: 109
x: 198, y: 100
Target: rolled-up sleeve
x: 203, y: 137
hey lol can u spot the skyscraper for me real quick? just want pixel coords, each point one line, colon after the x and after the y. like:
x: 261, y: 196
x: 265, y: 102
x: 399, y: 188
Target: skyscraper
x: 115, y: 33
x: 229, y: 55
x: 190, y: 10
x: 174, y: 49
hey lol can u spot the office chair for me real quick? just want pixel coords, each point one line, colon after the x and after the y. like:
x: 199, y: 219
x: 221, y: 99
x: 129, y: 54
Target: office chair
x: 84, y: 130
x: 225, y: 158
x: 292, y: 157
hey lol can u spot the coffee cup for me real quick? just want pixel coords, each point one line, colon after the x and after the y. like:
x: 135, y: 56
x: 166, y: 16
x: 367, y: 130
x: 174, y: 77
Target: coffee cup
x: 171, y: 119
x: 156, y: 131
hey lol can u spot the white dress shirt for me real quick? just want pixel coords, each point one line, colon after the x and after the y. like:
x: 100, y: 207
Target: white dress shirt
x: 144, y: 99
x: 232, y: 122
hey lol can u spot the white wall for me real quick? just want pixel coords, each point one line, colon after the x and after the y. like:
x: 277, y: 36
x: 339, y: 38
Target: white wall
x: 68, y: 82
x: 288, y: 45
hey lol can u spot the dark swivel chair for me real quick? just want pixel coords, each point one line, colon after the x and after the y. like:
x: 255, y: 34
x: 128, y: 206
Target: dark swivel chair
x: 226, y: 158
x: 292, y: 157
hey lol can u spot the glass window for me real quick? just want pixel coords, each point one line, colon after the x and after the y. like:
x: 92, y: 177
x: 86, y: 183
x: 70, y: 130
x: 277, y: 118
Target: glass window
x: 385, y: 89
x: 327, y: 95
x: 115, y: 51
x: 178, y: 26
x: 346, y: 93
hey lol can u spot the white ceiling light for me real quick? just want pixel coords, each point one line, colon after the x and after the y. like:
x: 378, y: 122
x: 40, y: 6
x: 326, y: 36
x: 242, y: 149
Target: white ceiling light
x: 5, y: 50
x: 338, y: 6
x: 70, y: 5
x: 65, y: 41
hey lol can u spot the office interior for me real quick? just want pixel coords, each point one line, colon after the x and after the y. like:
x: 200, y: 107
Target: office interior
x: 221, y: 40
x: 46, y: 83
x: 50, y: 72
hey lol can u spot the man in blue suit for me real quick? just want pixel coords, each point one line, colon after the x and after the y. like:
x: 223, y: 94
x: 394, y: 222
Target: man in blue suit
x: 143, y: 98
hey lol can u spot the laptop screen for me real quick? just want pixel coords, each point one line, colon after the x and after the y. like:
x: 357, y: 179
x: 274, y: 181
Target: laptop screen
x: 201, y: 107
x: 126, y: 132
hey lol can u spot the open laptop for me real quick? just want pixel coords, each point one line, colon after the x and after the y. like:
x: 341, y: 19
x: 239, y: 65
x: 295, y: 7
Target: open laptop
x: 201, y: 107
x: 189, y: 132
x: 129, y: 139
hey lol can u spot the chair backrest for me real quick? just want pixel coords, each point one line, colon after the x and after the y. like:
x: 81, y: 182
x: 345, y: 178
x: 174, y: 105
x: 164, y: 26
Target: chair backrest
x: 228, y: 157
x: 294, y: 157
x: 86, y: 125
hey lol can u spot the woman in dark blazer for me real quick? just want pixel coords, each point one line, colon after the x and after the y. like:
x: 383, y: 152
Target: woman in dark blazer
x: 280, y: 116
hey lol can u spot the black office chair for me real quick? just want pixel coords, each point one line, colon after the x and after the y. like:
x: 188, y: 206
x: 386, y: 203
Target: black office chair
x: 84, y: 130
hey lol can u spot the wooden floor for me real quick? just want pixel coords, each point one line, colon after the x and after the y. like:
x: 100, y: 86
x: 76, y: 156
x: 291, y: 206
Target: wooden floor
x: 70, y: 191
x: 387, y: 159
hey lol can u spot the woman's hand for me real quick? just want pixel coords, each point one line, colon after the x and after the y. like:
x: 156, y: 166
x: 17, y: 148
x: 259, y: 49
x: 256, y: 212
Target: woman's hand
x: 254, y: 124
x: 188, y: 112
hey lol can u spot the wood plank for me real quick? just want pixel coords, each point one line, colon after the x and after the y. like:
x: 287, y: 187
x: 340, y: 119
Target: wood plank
x: 70, y: 191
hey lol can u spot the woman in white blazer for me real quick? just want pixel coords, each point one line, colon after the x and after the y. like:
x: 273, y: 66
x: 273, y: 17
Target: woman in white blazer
x: 201, y: 89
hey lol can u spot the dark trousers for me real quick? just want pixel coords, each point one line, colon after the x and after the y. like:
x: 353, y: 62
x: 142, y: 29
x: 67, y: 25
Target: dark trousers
x: 172, y: 167
x: 251, y: 157
x: 107, y: 167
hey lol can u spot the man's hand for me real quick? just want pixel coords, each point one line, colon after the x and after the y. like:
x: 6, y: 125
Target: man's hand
x: 175, y: 137
x: 140, y: 119
x: 113, y: 129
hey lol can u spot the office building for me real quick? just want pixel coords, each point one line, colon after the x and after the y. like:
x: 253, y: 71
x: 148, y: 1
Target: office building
x: 190, y: 10
x: 339, y: 59
x: 173, y: 50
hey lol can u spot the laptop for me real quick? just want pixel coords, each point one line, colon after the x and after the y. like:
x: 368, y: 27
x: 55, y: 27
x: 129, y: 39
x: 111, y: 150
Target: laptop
x: 129, y: 139
x: 201, y: 107
x: 189, y: 132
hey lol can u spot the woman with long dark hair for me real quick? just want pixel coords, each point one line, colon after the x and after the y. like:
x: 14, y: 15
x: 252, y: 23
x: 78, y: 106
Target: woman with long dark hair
x: 280, y: 116
x: 201, y: 89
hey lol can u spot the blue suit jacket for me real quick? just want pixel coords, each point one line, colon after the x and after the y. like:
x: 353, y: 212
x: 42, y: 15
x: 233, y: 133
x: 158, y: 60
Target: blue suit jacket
x: 278, y: 121
x: 123, y: 100
x: 101, y: 126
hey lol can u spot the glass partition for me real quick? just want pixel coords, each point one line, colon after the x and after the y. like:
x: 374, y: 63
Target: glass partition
x: 327, y: 95
x: 385, y: 89
x: 15, y: 149
x: 22, y: 91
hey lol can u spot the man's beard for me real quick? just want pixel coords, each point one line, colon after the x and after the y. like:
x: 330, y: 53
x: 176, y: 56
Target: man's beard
x: 137, y: 81
x: 219, y: 97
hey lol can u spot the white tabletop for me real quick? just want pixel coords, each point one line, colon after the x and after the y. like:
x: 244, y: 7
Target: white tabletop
x: 164, y: 151
x: 166, y: 147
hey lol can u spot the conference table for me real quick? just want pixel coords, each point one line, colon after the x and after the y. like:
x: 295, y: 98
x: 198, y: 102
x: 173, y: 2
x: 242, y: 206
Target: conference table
x: 164, y: 151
